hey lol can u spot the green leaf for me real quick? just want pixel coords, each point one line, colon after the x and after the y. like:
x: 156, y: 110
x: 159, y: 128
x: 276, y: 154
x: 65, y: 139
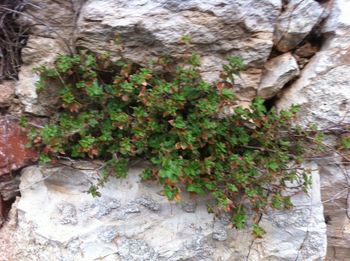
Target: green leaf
x: 239, y: 219
x: 272, y: 165
x: 232, y: 187
x: 44, y: 159
x: 117, y: 111
x: 258, y: 231
x: 196, y: 188
x: 346, y: 142
x: 94, y: 90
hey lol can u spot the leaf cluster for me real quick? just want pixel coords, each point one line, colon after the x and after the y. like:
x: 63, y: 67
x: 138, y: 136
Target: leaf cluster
x: 118, y: 111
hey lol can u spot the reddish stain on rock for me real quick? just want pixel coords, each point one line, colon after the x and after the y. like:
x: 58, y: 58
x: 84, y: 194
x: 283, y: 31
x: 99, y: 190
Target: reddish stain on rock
x: 13, y: 154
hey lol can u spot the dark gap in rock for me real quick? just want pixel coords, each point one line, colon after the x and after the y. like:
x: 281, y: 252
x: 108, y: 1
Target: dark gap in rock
x: 274, y: 53
x: 13, y: 37
x: 4, y: 110
x: 221, y: 5
x: 7, y: 205
x: 9, y: 191
x: 315, y: 37
x: 284, y: 5
x: 322, y: 1
x: 327, y: 219
x: 270, y: 103
x: 310, y: 45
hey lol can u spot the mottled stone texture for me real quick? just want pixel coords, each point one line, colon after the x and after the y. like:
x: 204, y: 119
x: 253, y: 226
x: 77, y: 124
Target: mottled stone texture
x: 136, y: 223
x: 58, y: 220
x: 296, y: 22
x: 218, y: 29
x: 13, y: 154
x: 323, y: 91
x: 7, y: 91
x: 279, y: 71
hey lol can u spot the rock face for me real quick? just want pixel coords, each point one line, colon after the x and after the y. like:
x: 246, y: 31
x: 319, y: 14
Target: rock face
x: 51, y: 26
x: 218, y: 29
x: 13, y: 155
x: 57, y: 220
x: 296, y: 22
x: 323, y: 90
x: 279, y: 71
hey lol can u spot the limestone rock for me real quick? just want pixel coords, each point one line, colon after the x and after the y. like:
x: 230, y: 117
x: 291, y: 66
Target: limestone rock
x: 218, y: 29
x: 52, y: 26
x: 57, y: 221
x: 39, y: 51
x: 52, y: 19
x: 323, y: 86
x: 279, y: 71
x: 323, y: 91
x: 7, y: 92
x: 296, y: 22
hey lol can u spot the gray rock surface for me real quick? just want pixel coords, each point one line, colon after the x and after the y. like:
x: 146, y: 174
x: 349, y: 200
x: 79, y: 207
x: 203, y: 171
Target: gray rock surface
x: 58, y: 220
x: 323, y: 91
x: 128, y: 224
x: 323, y: 86
x: 279, y: 71
x: 296, y: 22
x: 51, y: 28
x: 218, y: 29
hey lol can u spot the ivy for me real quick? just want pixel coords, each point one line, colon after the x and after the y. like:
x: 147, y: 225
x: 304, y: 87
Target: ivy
x: 117, y: 111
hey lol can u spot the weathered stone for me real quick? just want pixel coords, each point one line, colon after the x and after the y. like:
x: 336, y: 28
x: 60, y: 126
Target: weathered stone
x: 279, y: 71
x: 218, y: 29
x: 307, y: 216
x: 219, y: 232
x: 52, y: 26
x: 323, y: 91
x: 7, y: 92
x: 296, y: 22
x: 306, y: 51
x: 39, y: 51
x: 189, y: 206
x: 323, y: 86
x: 108, y: 233
x: 132, y: 249
x: 105, y: 206
x: 149, y: 203
x: 168, y: 233
x: 9, y: 185
x: 52, y: 19
x: 13, y: 154
x: 67, y: 213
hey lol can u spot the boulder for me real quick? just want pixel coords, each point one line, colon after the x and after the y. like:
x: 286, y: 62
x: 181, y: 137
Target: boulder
x: 296, y: 22
x: 131, y: 220
x: 279, y: 71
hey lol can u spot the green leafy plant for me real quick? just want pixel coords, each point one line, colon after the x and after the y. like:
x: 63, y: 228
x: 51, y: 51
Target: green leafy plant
x: 117, y: 111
